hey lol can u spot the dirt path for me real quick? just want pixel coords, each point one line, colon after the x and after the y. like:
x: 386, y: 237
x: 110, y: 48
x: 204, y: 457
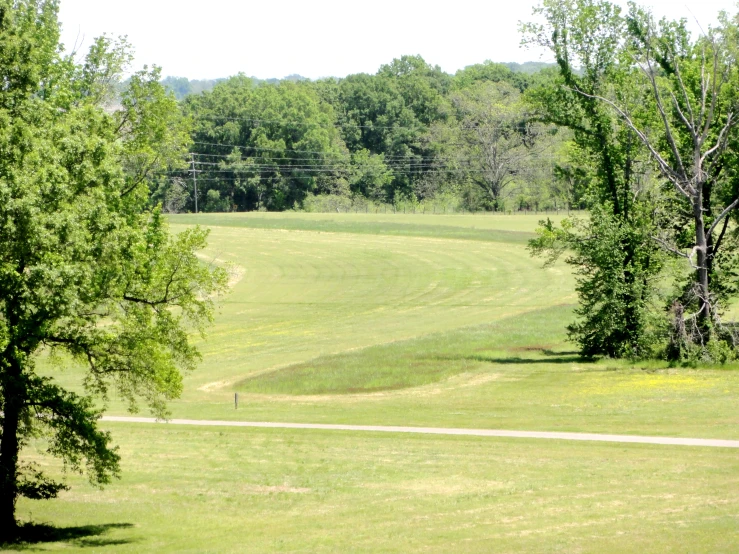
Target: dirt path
x: 441, y: 431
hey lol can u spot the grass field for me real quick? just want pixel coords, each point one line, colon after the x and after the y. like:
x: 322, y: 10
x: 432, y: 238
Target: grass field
x: 234, y: 490
x: 420, y: 320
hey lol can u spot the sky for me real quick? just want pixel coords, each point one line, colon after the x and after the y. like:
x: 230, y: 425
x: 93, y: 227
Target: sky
x: 320, y: 38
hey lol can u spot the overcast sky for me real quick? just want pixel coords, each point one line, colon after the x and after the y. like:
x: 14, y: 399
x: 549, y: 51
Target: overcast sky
x: 318, y: 38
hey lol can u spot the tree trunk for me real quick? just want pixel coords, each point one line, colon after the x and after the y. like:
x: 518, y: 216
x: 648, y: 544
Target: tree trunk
x: 701, y: 243
x: 13, y: 395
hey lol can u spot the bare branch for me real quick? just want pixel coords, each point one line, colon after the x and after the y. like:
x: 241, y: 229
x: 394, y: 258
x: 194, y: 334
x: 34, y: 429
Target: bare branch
x: 722, y: 215
x: 715, y: 90
x: 717, y: 245
x: 693, y: 252
x: 665, y: 121
x: 671, y: 248
x: 722, y: 136
x: 667, y: 171
x: 684, y: 119
x: 684, y: 90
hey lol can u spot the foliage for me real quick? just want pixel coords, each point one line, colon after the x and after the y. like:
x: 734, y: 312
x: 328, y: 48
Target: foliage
x: 649, y: 101
x: 389, y: 136
x: 655, y: 113
x: 85, y: 267
x: 616, y: 286
x: 617, y: 260
x: 280, y: 143
x: 489, y: 72
x: 500, y: 142
x: 689, y: 126
x: 389, y: 114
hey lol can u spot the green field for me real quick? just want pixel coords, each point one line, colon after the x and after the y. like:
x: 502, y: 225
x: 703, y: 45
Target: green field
x: 422, y: 320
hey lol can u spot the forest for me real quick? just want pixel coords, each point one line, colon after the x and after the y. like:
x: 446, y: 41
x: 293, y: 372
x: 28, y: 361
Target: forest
x: 409, y: 133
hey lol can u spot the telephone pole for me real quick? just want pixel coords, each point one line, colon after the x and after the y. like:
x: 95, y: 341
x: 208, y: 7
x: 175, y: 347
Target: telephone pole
x: 194, y: 180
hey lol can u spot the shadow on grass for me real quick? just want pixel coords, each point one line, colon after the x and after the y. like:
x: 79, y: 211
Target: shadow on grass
x: 518, y: 360
x: 551, y: 353
x: 553, y: 358
x: 31, y: 535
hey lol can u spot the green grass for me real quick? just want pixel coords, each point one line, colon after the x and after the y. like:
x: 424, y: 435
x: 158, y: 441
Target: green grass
x: 305, y: 294
x: 492, y: 227
x: 408, y: 320
x: 239, y: 490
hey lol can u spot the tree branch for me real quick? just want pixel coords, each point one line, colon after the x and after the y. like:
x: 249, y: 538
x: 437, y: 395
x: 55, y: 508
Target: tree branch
x: 722, y: 215
x: 664, y: 166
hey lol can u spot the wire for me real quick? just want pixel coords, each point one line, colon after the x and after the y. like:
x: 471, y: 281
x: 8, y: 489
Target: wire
x: 347, y: 155
x: 339, y: 125
x: 260, y: 148
x: 264, y: 149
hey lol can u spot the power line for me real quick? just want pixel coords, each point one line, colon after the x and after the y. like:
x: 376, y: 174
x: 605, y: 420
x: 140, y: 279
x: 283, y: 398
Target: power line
x: 246, y: 167
x: 347, y: 155
x: 342, y: 125
x: 306, y: 123
x: 259, y: 148
x: 264, y: 149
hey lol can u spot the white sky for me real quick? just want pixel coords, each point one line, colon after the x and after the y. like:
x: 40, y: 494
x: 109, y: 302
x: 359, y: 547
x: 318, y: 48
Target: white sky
x: 318, y: 38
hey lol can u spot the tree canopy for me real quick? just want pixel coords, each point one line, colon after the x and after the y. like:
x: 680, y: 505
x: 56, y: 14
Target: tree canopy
x: 86, y: 267
x: 652, y: 111
x: 380, y: 137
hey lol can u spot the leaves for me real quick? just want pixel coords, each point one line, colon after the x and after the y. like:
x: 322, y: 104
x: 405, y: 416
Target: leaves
x: 86, y: 266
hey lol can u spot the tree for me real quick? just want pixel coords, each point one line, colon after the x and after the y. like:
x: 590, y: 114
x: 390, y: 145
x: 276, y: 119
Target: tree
x: 370, y: 175
x: 266, y: 146
x: 617, y: 262
x: 651, y: 102
x: 390, y: 114
x: 500, y: 142
x: 489, y: 72
x: 689, y: 123
x: 154, y: 134
x: 571, y: 179
x: 85, y: 266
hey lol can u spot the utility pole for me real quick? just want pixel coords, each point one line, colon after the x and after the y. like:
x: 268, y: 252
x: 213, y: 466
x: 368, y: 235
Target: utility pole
x: 194, y: 180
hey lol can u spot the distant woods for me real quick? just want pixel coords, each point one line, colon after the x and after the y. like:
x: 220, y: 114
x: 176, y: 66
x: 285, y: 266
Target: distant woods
x: 409, y: 133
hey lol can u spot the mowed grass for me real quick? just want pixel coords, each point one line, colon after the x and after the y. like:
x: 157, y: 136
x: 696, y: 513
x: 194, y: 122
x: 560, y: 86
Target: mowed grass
x: 259, y: 490
x: 482, y: 227
x: 401, y: 320
x: 304, y: 294
x: 300, y: 294
x: 365, y: 328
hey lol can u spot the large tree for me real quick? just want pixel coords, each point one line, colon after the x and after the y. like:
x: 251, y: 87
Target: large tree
x: 616, y: 259
x: 85, y: 267
x: 658, y: 111
x: 266, y: 146
x: 500, y: 144
x: 390, y: 113
x: 689, y: 122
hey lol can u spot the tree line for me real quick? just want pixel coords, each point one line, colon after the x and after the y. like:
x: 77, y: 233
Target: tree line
x: 408, y: 132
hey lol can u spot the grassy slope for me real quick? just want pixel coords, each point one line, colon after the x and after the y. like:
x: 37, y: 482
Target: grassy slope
x: 363, y: 328
x: 305, y: 294
x: 404, y: 328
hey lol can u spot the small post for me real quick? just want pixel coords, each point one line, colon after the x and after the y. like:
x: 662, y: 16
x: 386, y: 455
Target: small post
x: 236, y: 401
